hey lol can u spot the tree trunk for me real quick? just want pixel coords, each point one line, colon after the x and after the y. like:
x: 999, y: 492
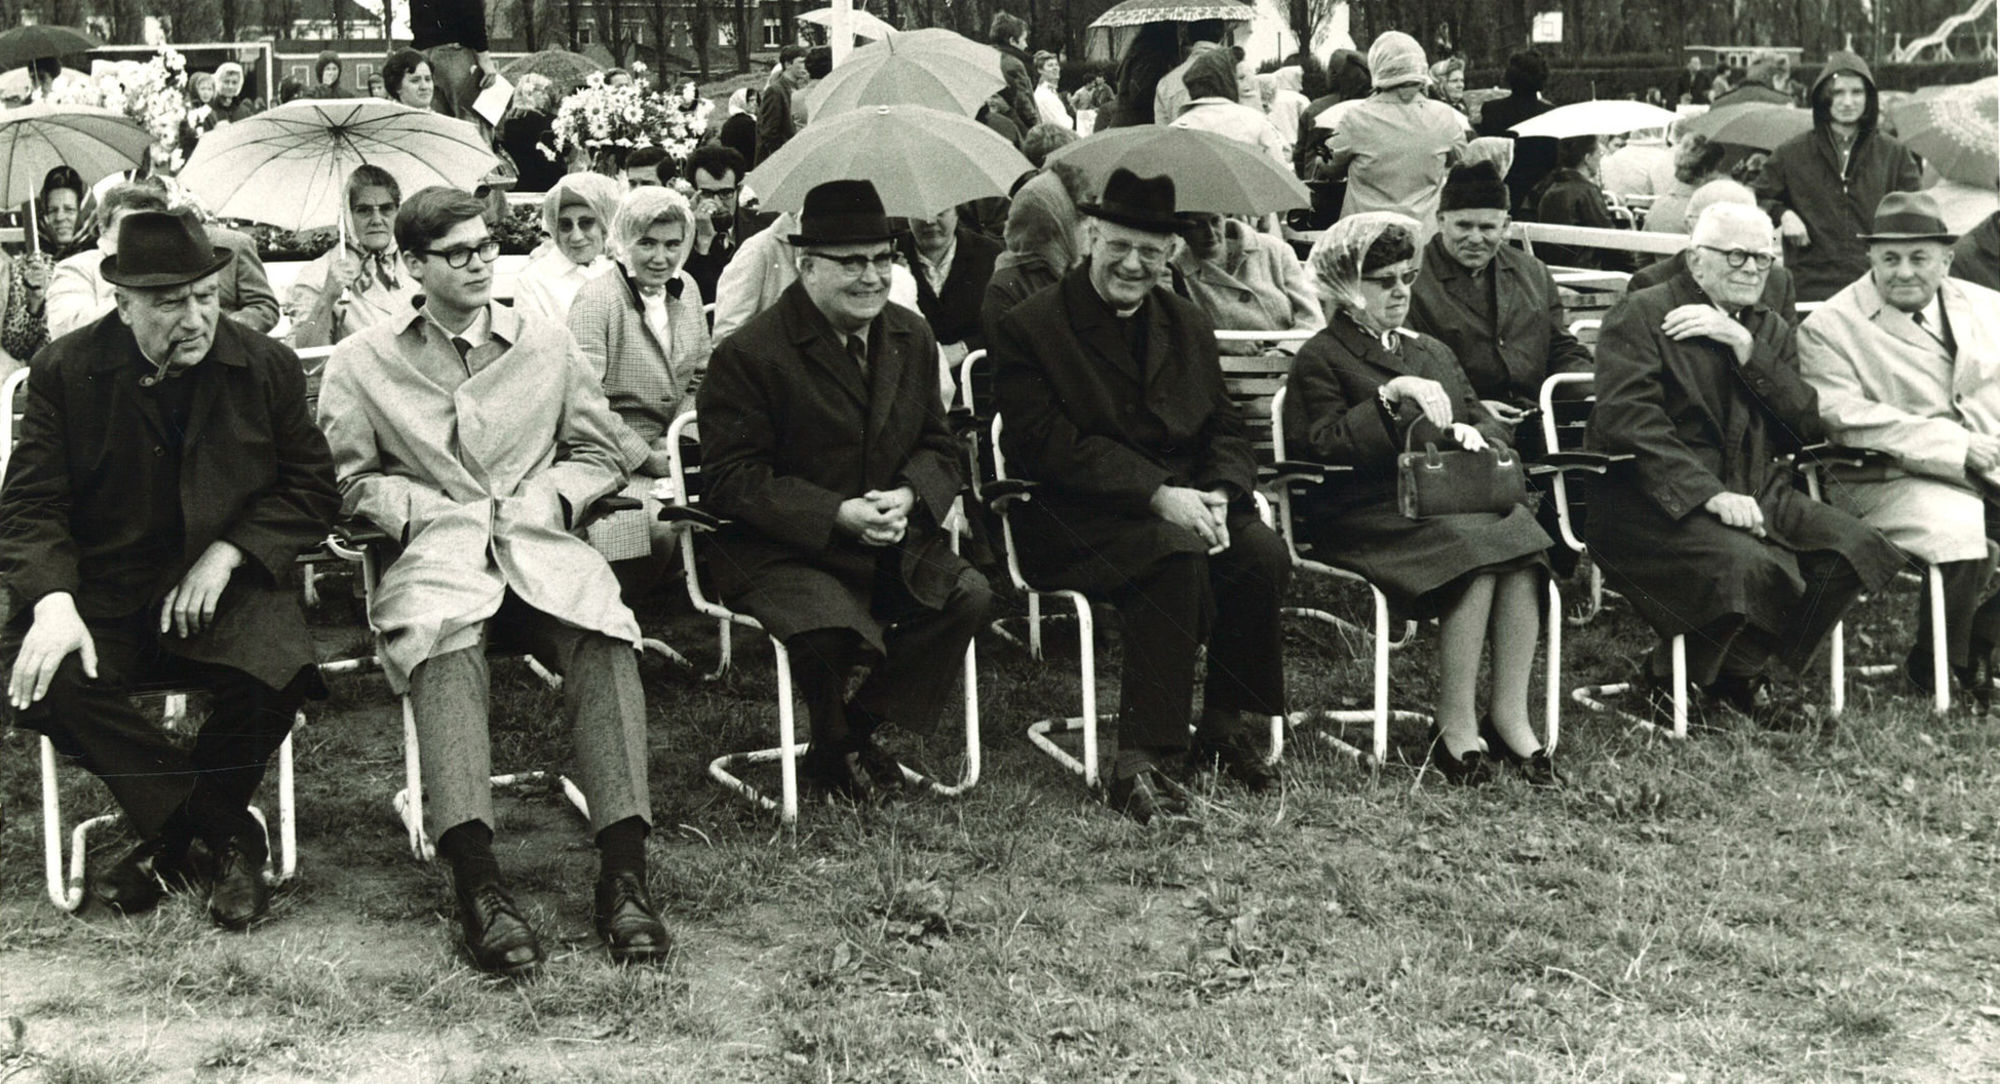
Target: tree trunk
x: 704, y: 35
x: 531, y: 35
x: 575, y: 9
x: 788, y: 30
x: 743, y: 35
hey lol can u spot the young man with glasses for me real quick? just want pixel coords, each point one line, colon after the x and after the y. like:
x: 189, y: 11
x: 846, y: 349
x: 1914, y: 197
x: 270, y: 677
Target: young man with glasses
x: 478, y: 437
x: 824, y: 440
x: 716, y: 172
x: 1706, y: 533
x: 1115, y: 404
x: 361, y: 284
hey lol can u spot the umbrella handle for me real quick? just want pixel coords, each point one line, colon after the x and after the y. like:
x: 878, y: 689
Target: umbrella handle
x: 34, y: 230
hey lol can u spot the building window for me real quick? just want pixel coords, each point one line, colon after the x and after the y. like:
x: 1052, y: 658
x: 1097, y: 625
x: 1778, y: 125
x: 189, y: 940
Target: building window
x: 774, y: 33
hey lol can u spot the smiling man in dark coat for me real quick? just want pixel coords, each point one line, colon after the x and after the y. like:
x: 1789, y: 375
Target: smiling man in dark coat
x: 824, y: 439
x: 167, y: 477
x: 1708, y: 537
x: 1114, y: 402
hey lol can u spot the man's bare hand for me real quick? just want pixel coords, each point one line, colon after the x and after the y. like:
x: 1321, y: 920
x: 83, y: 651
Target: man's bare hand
x: 190, y: 606
x: 1793, y: 229
x: 860, y: 517
x: 1739, y: 511
x: 1190, y: 508
x: 57, y: 631
x: 1708, y: 322
x: 1504, y: 412
x: 1982, y: 453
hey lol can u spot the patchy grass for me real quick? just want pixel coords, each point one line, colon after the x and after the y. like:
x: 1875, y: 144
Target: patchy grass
x: 1745, y: 906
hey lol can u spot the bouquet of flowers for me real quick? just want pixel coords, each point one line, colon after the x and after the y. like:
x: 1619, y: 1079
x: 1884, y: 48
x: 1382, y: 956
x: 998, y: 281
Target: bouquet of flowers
x: 601, y: 119
x: 153, y: 93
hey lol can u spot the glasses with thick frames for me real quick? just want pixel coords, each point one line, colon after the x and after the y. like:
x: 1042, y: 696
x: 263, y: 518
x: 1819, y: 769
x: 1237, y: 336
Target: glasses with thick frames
x: 457, y: 258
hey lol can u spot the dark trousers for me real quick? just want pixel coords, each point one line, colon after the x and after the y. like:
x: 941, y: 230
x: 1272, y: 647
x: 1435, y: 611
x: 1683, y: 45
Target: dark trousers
x: 95, y: 724
x: 1230, y: 601
x: 1971, y: 606
x: 925, y: 649
x: 1733, y: 648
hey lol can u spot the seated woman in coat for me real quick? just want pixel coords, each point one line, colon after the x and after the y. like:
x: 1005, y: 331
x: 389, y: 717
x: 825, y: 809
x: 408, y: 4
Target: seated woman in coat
x: 1357, y: 390
x: 576, y: 213
x: 1245, y: 280
x: 642, y: 330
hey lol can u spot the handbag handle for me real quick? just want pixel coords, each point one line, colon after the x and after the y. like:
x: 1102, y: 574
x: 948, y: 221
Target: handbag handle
x: 1434, y: 460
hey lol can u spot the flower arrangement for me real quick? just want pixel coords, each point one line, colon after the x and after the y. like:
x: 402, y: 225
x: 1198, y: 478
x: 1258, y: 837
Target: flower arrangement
x: 601, y: 118
x: 153, y: 93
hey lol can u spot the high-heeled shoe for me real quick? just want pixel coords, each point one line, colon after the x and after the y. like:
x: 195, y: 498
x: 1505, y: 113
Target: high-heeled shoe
x: 1537, y: 768
x: 1468, y: 770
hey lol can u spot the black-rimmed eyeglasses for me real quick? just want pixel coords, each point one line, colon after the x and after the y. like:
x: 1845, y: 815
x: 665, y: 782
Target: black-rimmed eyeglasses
x: 1737, y: 257
x: 457, y: 258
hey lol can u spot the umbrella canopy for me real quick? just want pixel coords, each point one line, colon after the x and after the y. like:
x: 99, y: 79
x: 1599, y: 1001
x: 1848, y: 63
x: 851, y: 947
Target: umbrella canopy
x: 1956, y: 133
x: 1596, y: 118
x: 287, y: 166
x: 25, y: 43
x: 934, y: 68
x: 920, y: 160
x: 1211, y: 173
x: 37, y: 138
x: 562, y: 67
x: 864, y: 24
x: 1141, y: 12
x: 1761, y: 125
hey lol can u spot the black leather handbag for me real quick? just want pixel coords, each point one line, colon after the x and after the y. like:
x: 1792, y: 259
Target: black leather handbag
x: 1449, y: 483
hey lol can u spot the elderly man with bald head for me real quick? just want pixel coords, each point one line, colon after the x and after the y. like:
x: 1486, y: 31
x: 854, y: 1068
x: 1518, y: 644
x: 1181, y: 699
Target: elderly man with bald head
x: 1907, y: 362
x: 1698, y: 382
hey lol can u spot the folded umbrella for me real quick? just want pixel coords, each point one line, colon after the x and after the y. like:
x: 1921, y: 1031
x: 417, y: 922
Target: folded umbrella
x: 934, y: 68
x: 1610, y: 117
x: 922, y: 161
x: 1211, y: 173
x: 1759, y: 125
x: 1956, y: 133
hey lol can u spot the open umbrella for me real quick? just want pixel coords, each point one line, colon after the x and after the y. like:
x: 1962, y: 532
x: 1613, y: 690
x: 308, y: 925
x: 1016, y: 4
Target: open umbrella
x: 1111, y: 32
x: 1760, y: 125
x: 23, y: 44
x: 562, y: 67
x: 288, y: 165
x: 921, y: 160
x: 1957, y: 133
x: 1611, y: 117
x: 934, y: 68
x: 864, y: 24
x: 1211, y: 173
x: 37, y: 138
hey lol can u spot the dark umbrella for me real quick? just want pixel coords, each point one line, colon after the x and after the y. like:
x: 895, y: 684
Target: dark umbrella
x: 562, y: 67
x: 25, y: 44
x: 1759, y: 125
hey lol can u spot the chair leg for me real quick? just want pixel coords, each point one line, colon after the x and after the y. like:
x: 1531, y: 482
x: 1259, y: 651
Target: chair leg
x: 409, y: 802
x: 1553, y: 693
x: 970, y: 776
x: 1680, y: 650
x: 65, y: 892
x: 1836, y: 670
x: 286, y: 854
x: 723, y: 769
x: 1940, y: 677
x: 1039, y: 732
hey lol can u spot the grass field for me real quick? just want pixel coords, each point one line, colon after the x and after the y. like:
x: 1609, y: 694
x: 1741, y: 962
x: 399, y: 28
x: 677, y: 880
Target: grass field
x: 1746, y: 906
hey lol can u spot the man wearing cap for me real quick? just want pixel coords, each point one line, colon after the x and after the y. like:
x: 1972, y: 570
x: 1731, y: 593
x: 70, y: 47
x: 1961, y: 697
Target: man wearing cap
x: 824, y: 440
x: 478, y: 438
x: 1907, y: 362
x: 1115, y: 405
x: 167, y: 477
x: 1707, y: 535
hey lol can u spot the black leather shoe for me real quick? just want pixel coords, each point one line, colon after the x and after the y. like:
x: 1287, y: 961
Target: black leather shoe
x: 1469, y: 770
x: 141, y: 879
x: 238, y: 896
x: 1237, y: 754
x: 884, y: 770
x: 840, y: 774
x: 1774, y: 708
x: 1537, y: 768
x: 1974, y: 681
x: 625, y: 920
x: 497, y: 938
x: 1145, y: 794
x: 1656, y: 701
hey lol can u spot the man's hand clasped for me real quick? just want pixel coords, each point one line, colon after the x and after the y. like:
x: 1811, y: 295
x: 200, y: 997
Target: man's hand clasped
x: 1205, y: 512
x: 879, y: 517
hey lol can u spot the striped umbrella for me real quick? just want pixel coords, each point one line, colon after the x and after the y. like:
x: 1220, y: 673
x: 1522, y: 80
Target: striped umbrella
x: 288, y: 166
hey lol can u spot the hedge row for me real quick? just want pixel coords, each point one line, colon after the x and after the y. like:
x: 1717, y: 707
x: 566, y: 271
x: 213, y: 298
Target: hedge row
x: 1594, y: 78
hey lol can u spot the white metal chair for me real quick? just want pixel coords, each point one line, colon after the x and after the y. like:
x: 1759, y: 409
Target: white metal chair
x: 683, y: 437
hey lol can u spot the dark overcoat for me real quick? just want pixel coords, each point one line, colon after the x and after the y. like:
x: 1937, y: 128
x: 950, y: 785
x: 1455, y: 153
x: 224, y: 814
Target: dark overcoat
x: 1101, y: 433
x: 1334, y: 414
x: 254, y: 471
x: 1505, y: 358
x: 790, y: 428
x: 1805, y: 175
x: 1781, y: 291
x: 954, y: 311
x: 1698, y: 424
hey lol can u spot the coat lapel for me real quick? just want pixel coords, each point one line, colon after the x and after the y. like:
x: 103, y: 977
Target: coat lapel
x: 820, y: 345
x: 885, y: 376
x: 1095, y: 329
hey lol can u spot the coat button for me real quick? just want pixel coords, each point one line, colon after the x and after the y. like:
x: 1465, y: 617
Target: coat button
x: 1245, y: 297
x: 159, y: 452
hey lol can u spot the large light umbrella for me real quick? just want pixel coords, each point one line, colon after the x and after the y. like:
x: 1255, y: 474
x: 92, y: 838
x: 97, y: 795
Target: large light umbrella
x: 934, y: 68
x: 921, y: 160
x: 24, y: 44
x: 288, y: 166
x: 1957, y: 133
x: 1212, y: 173
x: 562, y: 67
x: 1760, y: 125
x: 864, y: 24
x: 37, y: 138
x: 1612, y: 117
x: 1111, y: 32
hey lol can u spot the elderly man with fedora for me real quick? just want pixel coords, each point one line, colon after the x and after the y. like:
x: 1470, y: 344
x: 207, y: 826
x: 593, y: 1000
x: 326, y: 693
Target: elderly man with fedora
x: 824, y: 441
x: 1698, y: 382
x: 478, y: 437
x: 167, y: 477
x: 1115, y: 404
x: 1907, y: 362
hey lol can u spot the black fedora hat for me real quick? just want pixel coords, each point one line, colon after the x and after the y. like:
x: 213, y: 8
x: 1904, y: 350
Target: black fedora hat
x: 843, y: 213
x: 1909, y: 216
x: 160, y: 249
x: 1143, y: 203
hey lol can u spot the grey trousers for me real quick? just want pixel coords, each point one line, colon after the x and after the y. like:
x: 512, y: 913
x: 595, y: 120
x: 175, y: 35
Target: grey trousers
x: 602, y: 700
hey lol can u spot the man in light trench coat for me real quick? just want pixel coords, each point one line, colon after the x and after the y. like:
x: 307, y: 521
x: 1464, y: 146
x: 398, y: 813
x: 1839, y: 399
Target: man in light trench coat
x: 477, y: 437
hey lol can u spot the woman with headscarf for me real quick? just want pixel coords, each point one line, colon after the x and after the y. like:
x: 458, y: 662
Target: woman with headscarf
x: 61, y: 230
x: 527, y: 134
x: 1359, y: 392
x: 1214, y: 106
x: 1288, y: 101
x: 1697, y: 161
x: 1041, y: 240
x: 739, y: 131
x: 1395, y: 146
x: 577, y: 214
x: 1448, y: 82
x: 641, y: 328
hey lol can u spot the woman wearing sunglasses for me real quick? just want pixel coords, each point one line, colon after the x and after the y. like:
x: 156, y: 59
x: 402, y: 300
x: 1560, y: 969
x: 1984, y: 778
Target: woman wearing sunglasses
x: 1357, y: 391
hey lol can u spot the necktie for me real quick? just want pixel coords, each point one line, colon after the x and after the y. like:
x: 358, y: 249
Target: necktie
x: 464, y: 349
x: 1917, y: 318
x: 857, y: 348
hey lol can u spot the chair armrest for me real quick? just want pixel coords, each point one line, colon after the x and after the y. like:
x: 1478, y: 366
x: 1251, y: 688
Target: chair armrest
x: 961, y: 420
x: 1002, y: 492
x: 1597, y: 462
x: 1837, y: 455
x: 693, y: 517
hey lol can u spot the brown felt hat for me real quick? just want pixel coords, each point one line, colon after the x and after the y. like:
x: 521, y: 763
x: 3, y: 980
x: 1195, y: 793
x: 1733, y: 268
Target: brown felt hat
x: 161, y: 249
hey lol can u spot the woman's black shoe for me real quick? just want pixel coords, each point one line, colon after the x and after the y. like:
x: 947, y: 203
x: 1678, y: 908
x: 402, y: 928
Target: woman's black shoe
x: 1538, y: 768
x: 1469, y: 770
